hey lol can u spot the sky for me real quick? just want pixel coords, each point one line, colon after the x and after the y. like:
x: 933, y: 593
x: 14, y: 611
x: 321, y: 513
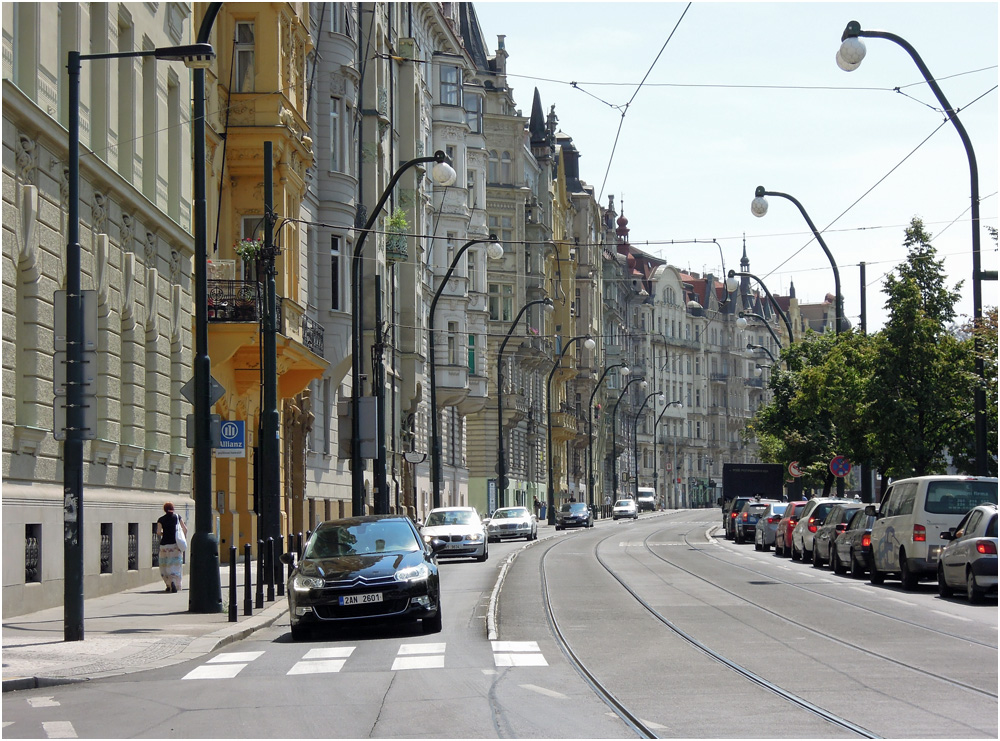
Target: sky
x: 738, y: 95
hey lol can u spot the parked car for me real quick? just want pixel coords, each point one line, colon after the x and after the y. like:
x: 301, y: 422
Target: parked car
x: 969, y: 560
x: 461, y: 529
x: 767, y: 525
x: 364, y: 568
x: 852, y: 550
x: 512, y: 522
x: 625, y: 508
x: 730, y: 513
x: 906, y: 536
x: 574, y: 514
x: 746, y: 521
x: 783, y: 533
x: 810, y: 520
x: 834, y: 524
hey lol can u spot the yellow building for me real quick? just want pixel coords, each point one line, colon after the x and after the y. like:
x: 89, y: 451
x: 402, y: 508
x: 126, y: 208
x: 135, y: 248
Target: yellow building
x: 257, y: 92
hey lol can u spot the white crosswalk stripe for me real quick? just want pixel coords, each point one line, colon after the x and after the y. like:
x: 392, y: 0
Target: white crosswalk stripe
x: 517, y: 653
x: 224, y: 666
x: 419, y: 656
x: 322, y: 660
x: 59, y: 729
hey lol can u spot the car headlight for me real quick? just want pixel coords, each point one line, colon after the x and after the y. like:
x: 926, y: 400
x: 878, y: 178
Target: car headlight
x: 475, y: 537
x: 305, y: 583
x: 413, y: 573
x: 428, y: 538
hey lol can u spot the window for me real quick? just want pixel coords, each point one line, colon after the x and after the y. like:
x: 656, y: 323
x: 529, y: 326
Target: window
x: 106, y: 546
x: 474, y: 113
x: 251, y: 227
x: 32, y: 552
x: 501, y: 301
x: 451, y: 85
x: 503, y: 228
x: 452, y: 348
x: 335, y: 157
x: 470, y: 186
x: 341, y: 20
x: 336, y: 274
x: 506, y: 175
x: 472, y: 354
x: 244, y: 56
x: 493, y: 170
x: 527, y: 260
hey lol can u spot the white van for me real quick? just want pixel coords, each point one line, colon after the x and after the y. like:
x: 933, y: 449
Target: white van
x: 906, y: 536
x: 646, y: 501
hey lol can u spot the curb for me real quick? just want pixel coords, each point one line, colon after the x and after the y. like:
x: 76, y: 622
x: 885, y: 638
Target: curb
x: 198, y: 647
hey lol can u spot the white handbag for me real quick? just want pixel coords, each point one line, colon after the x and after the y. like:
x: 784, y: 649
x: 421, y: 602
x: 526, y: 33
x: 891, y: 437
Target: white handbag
x: 180, y: 537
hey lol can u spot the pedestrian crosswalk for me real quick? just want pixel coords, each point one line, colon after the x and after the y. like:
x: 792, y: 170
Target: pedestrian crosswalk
x: 334, y: 659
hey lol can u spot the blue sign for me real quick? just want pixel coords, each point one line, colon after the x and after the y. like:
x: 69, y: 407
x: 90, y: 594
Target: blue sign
x: 840, y: 466
x: 232, y: 440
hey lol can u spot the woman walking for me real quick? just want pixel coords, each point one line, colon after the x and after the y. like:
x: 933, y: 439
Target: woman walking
x: 171, y: 555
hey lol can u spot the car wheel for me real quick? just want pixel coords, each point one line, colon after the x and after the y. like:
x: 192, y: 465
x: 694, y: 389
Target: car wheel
x: 857, y: 571
x: 757, y: 546
x: 795, y: 553
x: 908, y: 578
x: 974, y: 593
x: 835, y: 564
x: 558, y: 528
x: 300, y: 633
x: 433, y: 624
x: 875, y: 576
x: 944, y: 591
x: 486, y: 554
x: 817, y: 561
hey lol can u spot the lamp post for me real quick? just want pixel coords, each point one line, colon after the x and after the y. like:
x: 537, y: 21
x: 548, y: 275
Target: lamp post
x: 733, y: 284
x: 635, y: 439
x: 614, y: 431
x: 590, y: 344
x: 501, y: 458
x: 75, y: 397
x: 741, y: 323
x: 759, y: 207
x: 849, y: 56
x: 751, y: 347
x: 590, y: 428
x: 443, y: 174
x: 493, y: 252
x: 655, y: 459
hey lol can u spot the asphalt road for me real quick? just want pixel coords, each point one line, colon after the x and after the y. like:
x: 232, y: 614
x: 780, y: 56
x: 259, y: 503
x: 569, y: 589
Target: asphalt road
x: 796, y: 649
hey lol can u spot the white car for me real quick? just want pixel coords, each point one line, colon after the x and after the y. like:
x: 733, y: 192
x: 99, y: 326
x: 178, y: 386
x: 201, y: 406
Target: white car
x: 461, y: 530
x: 625, y: 508
x: 969, y: 561
x: 512, y: 522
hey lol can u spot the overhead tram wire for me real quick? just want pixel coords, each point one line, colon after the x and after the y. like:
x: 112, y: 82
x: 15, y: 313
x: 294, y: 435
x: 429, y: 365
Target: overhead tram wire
x: 621, y: 122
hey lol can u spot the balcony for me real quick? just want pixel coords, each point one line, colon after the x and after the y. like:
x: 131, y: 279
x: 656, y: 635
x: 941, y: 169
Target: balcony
x: 718, y: 377
x: 755, y: 382
x: 477, y: 398
x: 452, y: 384
x: 565, y: 426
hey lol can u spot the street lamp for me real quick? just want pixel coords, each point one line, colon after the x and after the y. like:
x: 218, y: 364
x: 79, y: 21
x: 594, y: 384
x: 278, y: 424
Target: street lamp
x: 655, y: 459
x: 193, y: 54
x: 741, y: 323
x: 590, y: 344
x: 758, y: 208
x: 732, y: 284
x: 852, y: 51
x: 751, y: 348
x: 614, y: 431
x: 494, y: 252
x: 590, y: 428
x: 501, y: 458
x: 635, y: 438
x: 442, y: 174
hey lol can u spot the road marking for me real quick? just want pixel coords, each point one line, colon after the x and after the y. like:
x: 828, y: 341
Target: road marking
x: 490, y: 672
x: 317, y: 666
x: 901, y: 601
x: 514, y: 646
x: 546, y: 692
x: 43, y: 702
x: 948, y: 614
x: 409, y: 649
x: 519, y: 660
x: 244, y: 657
x: 860, y: 589
x: 59, y: 729
x: 337, y: 652
x: 217, y: 671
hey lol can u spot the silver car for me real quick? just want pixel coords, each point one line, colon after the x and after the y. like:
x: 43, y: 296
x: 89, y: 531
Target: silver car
x: 767, y: 525
x: 512, y: 522
x: 969, y: 560
x: 460, y: 528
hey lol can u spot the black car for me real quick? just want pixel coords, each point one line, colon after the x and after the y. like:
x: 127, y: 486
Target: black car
x: 730, y: 511
x: 574, y: 514
x: 364, y: 568
x: 852, y: 550
x: 833, y: 526
x: 746, y: 520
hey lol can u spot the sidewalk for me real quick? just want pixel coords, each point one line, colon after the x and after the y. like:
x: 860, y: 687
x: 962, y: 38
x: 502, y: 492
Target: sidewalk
x: 135, y: 630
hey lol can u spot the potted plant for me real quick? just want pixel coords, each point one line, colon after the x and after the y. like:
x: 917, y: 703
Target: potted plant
x: 248, y: 249
x: 396, y: 227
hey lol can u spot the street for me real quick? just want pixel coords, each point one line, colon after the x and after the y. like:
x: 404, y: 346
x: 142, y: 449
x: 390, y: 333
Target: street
x: 657, y: 627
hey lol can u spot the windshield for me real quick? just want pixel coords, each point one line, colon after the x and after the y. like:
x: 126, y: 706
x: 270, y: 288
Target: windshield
x: 503, y: 514
x: 361, y: 538
x: 623, y: 502
x: 958, y: 497
x: 574, y: 507
x: 452, y: 517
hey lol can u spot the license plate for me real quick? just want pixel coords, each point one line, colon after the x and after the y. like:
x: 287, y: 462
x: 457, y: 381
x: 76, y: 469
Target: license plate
x: 361, y: 599
x: 453, y: 546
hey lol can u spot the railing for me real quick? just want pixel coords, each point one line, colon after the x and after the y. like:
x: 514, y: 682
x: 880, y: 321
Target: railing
x: 312, y: 335
x: 31, y: 559
x: 718, y: 376
x: 234, y: 301
x: 755, y: 382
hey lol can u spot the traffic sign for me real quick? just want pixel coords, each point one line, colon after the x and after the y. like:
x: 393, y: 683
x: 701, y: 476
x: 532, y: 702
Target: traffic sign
x: 840, y: 466
x: 232, y: 439
x: 793, y: 468
x: 215, y: 390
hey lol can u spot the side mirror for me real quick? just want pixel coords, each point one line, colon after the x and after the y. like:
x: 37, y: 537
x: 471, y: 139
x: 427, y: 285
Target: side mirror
x: 841, y: 527
x: 289, y: 559
x: 948, y: 534
x: 437, y: 545
x: 870, y: 510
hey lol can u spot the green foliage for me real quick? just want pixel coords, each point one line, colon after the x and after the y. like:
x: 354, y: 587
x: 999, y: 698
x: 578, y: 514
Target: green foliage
x: 397, y: 221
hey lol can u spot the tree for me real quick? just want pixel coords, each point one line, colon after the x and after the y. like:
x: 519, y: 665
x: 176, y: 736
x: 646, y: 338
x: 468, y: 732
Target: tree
x: 919, y: 396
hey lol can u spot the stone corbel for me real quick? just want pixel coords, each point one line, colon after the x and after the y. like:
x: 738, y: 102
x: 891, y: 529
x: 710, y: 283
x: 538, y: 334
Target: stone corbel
x: 178, y: 463
x: 101, y: 450
x: 129, y: 455
x: 28, y: 440
x: 153, y: 459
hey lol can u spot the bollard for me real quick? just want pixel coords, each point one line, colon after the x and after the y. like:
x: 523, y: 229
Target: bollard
x: 279, y: 568
x: 247, y: 599
x: 298, y: 544
x: 260, y: 573
x: 232, y: 584
x: 269, y: 568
